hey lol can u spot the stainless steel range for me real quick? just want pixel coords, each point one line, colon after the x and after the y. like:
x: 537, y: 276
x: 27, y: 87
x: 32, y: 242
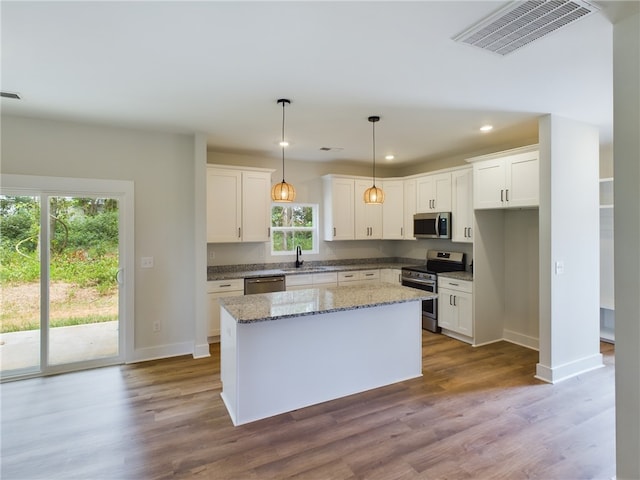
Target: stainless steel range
x: 425, y: 277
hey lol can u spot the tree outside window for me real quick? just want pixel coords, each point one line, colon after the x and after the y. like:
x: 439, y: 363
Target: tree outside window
x: 294, y: 225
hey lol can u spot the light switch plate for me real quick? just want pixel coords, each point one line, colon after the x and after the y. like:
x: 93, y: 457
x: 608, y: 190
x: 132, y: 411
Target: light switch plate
x: 559, y: 268
x: 146, y: 262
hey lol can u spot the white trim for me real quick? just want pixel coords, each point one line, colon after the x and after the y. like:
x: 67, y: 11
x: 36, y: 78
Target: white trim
x: 520, y: 339
x: 161, y: 351
x: 568, y: 370
x: 504, y: 153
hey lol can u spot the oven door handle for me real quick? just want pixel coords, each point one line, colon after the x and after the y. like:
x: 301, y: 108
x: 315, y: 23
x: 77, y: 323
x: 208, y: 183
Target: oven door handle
x: 408, y: 281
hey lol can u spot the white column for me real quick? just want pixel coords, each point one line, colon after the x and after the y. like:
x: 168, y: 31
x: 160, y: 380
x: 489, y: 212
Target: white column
x: 626, y: 154
x: 200, y: 344
x: 569, y: 249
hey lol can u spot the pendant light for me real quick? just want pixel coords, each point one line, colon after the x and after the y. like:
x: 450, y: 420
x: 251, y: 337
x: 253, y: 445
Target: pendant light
x: 283, y: 191
x: 373, y: 194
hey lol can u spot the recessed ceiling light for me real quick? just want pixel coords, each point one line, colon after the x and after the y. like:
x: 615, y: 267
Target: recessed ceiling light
x: 284, y: 144
x: 486, y: 128
x: 389, y: 157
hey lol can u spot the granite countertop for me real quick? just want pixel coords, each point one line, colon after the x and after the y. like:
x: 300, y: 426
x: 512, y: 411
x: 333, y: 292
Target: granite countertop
x: 467, y: 276
x: 314, y: 301
x: 243, y: 271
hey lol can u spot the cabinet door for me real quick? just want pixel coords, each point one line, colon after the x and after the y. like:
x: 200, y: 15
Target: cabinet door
x: 224, y: 205
x: 409, y: 208
x: 442, y: 192
x: 447, y: 317
x: 390, y: 275
x: 339, y: 219
x: 462, y: 205
x: 522, y: 180
x: 463, y: 305
x: 425, y: 194
x: 256, y: 206
x: 488, y: 184
x: 368, y: 217
x: 393, y: 210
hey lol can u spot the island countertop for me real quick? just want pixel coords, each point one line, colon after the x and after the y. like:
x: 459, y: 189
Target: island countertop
x: 314, y: 301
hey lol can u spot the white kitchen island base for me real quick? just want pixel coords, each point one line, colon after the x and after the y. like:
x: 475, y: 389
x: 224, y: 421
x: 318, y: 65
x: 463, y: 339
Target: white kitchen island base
x: 273, y: 367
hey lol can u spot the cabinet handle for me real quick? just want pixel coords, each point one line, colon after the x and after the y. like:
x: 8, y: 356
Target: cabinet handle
x: 469, y: 232
x: 401, y: 231
x: 225, y: 285
x: 454, y: 300
x: 502, y: 195
x: 348, y: 276
x: 465, y: 232
x: 450, y: 299
x: 507, y: 194
x: 268, y: 232
x: 454, y: 284
x: 334, y: 231
x: 368, y: 274
x: 239, y: 231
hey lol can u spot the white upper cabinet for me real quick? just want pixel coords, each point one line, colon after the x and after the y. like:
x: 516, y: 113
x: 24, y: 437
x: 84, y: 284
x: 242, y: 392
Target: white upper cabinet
x: 368, y: 217
x: 434, y: 193
x: 410, y: 203
x: 339, y: 214
x: 507, y: 182
x: 392, y: 210
x: 238, y: 204
x: 462, y: 205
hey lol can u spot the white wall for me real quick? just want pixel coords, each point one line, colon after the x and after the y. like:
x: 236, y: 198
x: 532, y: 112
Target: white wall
x: 626, y: 76
x: 569, y: 233
x: 161, y: 166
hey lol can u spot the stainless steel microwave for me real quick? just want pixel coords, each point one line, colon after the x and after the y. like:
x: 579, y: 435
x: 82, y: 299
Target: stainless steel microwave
x: 432, y: 225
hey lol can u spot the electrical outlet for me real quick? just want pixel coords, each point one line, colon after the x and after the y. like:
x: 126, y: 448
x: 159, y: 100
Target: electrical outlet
x: 212, y: 255
x: 559, y: 267
x: 146, y: 262
x: 156, y: 326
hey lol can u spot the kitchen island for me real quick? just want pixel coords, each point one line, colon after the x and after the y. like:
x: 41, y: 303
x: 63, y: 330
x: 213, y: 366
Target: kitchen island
x: 287, y: 350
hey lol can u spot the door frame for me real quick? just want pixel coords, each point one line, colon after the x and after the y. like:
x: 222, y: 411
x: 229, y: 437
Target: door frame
x: 84, y: 187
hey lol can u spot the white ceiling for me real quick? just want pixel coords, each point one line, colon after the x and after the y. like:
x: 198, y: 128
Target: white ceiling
x: 219, y: 67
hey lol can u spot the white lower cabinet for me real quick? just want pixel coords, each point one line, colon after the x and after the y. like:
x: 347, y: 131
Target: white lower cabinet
x: 390, y: 275
x: 455, y: 306
x: 310, y: 280
x: 218, y: 289
x: 357, y: 277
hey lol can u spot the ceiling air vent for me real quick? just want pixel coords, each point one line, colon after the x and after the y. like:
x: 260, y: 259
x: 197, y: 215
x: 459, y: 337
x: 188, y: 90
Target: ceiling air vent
x: 522, y: 22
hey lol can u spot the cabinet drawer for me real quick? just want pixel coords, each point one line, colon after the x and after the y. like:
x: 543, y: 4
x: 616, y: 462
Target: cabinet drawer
x: 348, y: 277
x: 370, y: 275
x: 295, y: 280
x: 453, y: 284
x: 324, y: 278
x: 225, y: 285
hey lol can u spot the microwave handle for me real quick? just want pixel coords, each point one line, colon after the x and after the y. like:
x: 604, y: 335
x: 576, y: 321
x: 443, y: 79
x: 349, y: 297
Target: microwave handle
x: 438, y: 225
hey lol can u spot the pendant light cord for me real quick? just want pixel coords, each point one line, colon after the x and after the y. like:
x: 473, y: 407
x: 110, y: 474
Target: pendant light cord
x: 282, y: 143
x: 374, y: 153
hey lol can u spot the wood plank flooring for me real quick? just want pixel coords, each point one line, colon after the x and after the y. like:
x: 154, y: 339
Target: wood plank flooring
x: 477, y: 413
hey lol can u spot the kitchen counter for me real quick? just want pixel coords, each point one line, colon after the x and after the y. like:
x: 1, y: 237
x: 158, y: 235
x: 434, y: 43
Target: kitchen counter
x: 314, y: 301
x: 323, y: 344
x: 467, y: 276
x: 230, y: 272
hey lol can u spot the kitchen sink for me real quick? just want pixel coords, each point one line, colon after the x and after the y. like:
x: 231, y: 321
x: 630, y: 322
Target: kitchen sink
x: 304, y: 269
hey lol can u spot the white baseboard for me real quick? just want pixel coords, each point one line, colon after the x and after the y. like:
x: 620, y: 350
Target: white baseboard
x: 201, y: 351
x: 162, y: 351
x: 520, y: 339
x: 563, y: 372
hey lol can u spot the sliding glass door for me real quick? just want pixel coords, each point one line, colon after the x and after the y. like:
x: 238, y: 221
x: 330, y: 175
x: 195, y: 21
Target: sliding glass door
x: 61, y: 279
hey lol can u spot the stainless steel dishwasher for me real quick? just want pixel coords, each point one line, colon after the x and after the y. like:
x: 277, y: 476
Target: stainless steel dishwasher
x: 264, y: 284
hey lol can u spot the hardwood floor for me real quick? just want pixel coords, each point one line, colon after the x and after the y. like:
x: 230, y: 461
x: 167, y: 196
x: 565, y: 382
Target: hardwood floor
x: 476, y: 413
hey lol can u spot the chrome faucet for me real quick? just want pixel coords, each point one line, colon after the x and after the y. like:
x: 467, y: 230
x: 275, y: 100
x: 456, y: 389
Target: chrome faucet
x: 298, y: 253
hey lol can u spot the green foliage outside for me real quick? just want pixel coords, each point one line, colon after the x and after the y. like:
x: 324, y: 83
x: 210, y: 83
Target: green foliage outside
x: 83, y: 251
x: 292, y: 226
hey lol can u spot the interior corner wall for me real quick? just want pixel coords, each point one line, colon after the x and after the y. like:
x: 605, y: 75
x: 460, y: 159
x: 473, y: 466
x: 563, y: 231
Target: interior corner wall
x: 161, y: 167
x: 626, y: 122
x: 569, y: 249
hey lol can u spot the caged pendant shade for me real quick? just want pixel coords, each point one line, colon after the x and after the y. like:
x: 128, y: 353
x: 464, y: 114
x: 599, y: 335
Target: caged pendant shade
x: 283, y: 191
x: 374, y: 195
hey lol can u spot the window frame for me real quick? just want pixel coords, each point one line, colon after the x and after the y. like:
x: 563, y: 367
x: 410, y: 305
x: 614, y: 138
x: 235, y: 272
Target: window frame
x: 315, y: 229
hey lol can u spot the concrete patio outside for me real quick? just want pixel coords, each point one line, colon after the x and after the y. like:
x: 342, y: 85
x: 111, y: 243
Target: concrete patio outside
x: 19, y: 350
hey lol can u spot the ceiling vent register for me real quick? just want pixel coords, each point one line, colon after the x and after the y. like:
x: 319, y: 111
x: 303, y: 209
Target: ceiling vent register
x: 520, y: 23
